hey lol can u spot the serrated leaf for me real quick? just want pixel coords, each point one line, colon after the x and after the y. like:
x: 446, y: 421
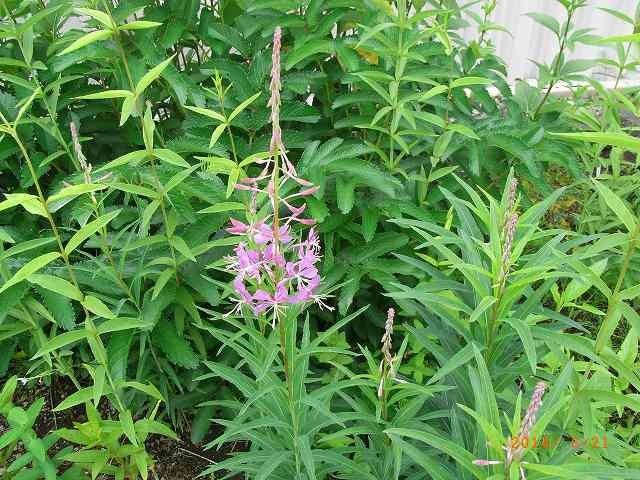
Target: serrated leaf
x: 176, y: 348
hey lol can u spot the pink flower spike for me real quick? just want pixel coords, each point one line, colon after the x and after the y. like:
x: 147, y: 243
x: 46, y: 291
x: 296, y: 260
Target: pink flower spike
x: 265, y: 233
x: 309, y: 191
x: 241, y: 290
x: 237, y: 227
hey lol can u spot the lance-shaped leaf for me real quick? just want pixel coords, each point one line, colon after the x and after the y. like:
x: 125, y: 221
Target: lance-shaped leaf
x: 618, y: 207
x: 207, y: 113
x: 57, y: 285
x: 107, y: 94
x: 30, y: 203
x: 170, y: 157
x: 139, y: 25
x: 60, y: 341
x: 87, y: 39
x: 88, y: 230
x: 97, y: 307
x: 240, y: 108
x: 102, y: 17
x: 152, y: 75
x: 29, y: 268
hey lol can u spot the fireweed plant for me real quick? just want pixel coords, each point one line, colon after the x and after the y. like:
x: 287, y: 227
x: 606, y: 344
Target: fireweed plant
x: 275, y: 265
x: 363, y: 274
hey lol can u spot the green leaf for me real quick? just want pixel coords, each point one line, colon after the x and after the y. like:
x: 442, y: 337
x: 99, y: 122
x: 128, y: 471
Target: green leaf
x: 423, y: 97
x: 461, y: 357
x: 306, y: 50
x: 30, y: 203
x: 219, y: 130
x: 208, y: 113
x: 162, y: 280
x: 102, y: 17
x: 584, y: 471
x: 6, y: 394
x: 139, y: 25
x: 127, y: 427
x: 175, y: 347
x: 97, y: 307
x: 60, y: 341
x: 106, y: 94
x: 546, y: 21
x: 621, y: 140
x: 345, y: 194
x: 131, y: 158
x: 632, y: 37
x: 180, y: 245
x: 152, y: 75
x: 81, y: 396
x: 170, y: 157
x: 30, y: 268
x: 88, y: 230
x: 470, y: 81
x: 240, y: 108
x: 618, y: 207
x: 223, y: 207
x: 524, y: 332
x: 463, y: 457
x: 128, y: 107
x: 119, y: 324
x: 135, y: 189
x: 87, y: 39
x: 57, y: 285
x: 149, y: 389
x: 231, y: 181
x: 73, y: 191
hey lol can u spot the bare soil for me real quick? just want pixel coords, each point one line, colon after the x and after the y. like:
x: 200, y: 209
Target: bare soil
x: 174, y: 460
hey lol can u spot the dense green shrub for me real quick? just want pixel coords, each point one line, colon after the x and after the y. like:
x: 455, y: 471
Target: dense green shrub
x: 132, y: 132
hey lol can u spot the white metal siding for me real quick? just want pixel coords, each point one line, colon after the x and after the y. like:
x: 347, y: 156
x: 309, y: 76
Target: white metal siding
x: 531, y: 41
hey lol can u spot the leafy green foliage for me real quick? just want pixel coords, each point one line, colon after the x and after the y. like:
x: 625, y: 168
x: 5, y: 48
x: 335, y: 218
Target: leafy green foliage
x: 124, y: 131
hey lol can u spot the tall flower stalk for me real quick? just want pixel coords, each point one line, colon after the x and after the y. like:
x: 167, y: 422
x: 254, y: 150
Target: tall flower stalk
x: 514, y: 450
x: 509, y: 227
x: 389, y: 363
x: 274, y: 266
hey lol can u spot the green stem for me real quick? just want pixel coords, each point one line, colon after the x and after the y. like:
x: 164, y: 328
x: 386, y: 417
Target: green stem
x: 557, y: 64
x: 290, y: 392
x: 63, y: 254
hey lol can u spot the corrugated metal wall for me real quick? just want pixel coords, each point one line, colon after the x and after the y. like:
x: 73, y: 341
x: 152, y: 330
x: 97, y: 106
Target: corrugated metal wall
x: 531, y: 41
